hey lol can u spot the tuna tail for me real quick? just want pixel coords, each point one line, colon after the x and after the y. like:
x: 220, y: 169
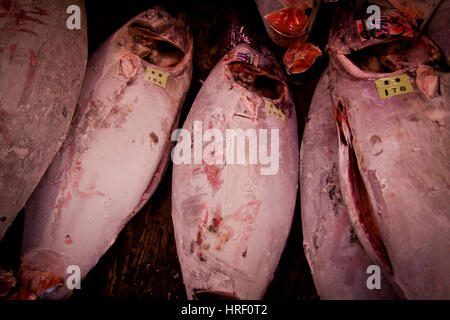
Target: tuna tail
x: 41, y: 272
x: 9, y: 290
x: 34, y: 284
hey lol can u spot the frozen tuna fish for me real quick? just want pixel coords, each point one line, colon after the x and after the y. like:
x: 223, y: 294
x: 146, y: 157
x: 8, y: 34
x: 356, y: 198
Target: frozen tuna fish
x: 232, y: 210
x: 392, y: 111
x: 115, y: 153
x: 42, y: 64
x: 337, y: 260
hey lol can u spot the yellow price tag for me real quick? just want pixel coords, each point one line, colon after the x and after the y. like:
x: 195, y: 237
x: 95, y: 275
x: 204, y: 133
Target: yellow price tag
x: 392, y: 86
x: 156, y: 77
x: 274, y: 112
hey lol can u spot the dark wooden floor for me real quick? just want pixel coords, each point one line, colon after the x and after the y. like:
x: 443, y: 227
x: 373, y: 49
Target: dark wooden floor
x: 142, y: 263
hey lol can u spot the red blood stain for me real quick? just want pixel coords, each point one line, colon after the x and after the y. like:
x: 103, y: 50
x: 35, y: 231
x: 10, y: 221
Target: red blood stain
x: 241, y: 248
x: 217, y: 220
x: 90, y: 192
x: 68, y: 240
x: 201, y: 228
x: 202, y: 224
x: 213, y: 175
x: 246, y: 213
x: 21, y: 16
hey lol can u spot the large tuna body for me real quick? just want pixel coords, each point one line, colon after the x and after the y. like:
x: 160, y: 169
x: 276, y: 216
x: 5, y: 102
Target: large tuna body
x: 115, y: 153
x: 337, y: 260
x: 232, y: 219
x: 42, y: 65
x: 391, y: 104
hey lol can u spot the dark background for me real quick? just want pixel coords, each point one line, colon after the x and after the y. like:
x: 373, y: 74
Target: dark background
x: 142, y: 263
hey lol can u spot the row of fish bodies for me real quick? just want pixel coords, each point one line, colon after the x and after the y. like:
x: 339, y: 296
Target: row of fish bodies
x: 99, y: 172
x: 231, y: 221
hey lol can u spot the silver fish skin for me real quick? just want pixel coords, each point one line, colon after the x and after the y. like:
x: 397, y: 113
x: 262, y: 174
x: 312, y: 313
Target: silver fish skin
x: 393, y: 154
x: 42, y: 65
x: 231, y: 222
x: 115, y: 153
x: 337, y: 260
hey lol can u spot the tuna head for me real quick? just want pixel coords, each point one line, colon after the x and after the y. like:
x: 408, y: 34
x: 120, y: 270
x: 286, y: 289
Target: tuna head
x: 232, y: 202
x: 116, y: 151
x: 42, y: 64
x: 391, y: 102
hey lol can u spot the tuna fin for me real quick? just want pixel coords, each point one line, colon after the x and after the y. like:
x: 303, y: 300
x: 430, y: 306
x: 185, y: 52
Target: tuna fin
x: 359, y: 207
x: 38, y: 274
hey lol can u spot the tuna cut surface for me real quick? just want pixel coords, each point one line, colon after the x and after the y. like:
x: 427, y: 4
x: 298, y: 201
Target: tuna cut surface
x: 42, y: 64
x: 391, y: 104
x: 337, y: 260
x: 232, y: 219
x: 115, y: 154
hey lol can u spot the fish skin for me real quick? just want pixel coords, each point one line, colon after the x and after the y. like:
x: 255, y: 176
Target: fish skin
x: 112, y: 160
x: 42, y: 64
x: 337, y: 260
x: 439, y: 27
x: 405, y: 176
x: 231, y: 228
x: 419, y: 11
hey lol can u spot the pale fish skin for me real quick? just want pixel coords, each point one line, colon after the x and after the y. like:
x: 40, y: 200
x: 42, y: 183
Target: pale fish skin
x: 115, y: 154
x: 439, y: 27
x: 42, y: 65
x: 337, y: 260
x: 393, y: 159
x: 231, y: 222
